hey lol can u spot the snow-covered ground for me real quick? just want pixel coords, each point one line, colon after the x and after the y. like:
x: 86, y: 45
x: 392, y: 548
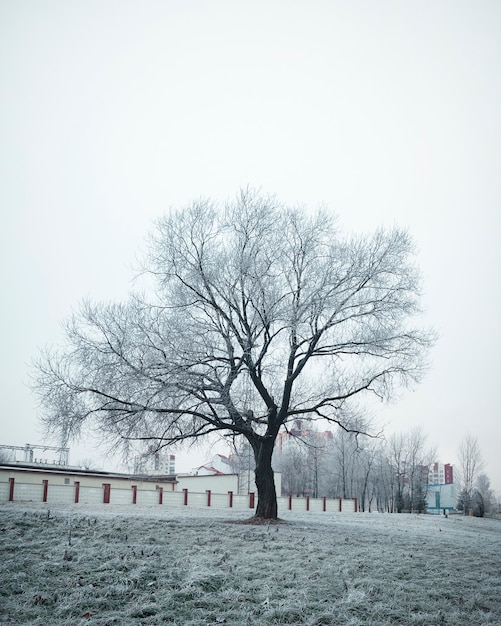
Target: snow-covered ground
x: 67, y: 565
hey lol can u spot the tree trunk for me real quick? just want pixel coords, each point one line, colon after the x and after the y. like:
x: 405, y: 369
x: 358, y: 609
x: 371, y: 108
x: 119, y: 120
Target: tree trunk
x: 265, y: 482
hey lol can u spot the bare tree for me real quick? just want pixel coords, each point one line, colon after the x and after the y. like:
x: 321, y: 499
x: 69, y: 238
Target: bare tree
x: 483, y: 500
x: 262, y: 314
x: 344, y: 451
x: 302, y: 458
x: 384, y: 484
x: 420, y: 458
x: 5, y: 457
x: 242, y: 463
x: 399, y: 461
x: 366, y: 475
x: 293, y: 465
x: 470, y: 465
x: 410, y: 459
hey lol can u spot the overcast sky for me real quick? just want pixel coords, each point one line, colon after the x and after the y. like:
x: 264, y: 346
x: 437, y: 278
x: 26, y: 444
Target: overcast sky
x: 111, y: 112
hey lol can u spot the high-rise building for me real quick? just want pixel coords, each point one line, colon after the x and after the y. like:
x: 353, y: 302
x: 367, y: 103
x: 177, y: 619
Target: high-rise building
x: 440, y: 474
x: 155, y: 462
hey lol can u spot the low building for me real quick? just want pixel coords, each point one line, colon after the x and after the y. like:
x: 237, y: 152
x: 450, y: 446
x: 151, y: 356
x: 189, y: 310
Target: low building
x: 440, y: 498
x: 52, y: 485
x: 32, y: 482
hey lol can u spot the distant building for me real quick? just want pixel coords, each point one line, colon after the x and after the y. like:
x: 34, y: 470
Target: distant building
x: 440, y: 474
x: 154, y: 462
x: 295, y: 435
x: 440, y: 498
x: 218, y: 465
x: 441, y: 494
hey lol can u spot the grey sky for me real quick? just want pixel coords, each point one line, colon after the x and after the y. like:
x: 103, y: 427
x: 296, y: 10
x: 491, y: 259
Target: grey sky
x: 386, y: 112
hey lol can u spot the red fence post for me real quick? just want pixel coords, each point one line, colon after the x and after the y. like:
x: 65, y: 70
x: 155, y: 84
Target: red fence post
x: 324, y: 505
x: 11, y: 489
x: 134, y: 494
x: 208, y: 492
x: 230, y: 494
x: 160, y: 495
x: 77, y: 491
x: 106, y: 493
x: 45, y: 490
x: 290, y: 503
x: 185, y: 497
x: 340, y: 505
x: 251, y: 500
x: 307, y: 503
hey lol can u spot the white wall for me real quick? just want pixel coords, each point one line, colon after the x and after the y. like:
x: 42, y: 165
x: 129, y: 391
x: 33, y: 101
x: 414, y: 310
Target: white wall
x: 447, y: 495
x: 217, y: 483
x: 28, y: 487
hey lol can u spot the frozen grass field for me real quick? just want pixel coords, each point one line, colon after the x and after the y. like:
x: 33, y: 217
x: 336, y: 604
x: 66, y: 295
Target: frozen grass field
x: 98, y: 566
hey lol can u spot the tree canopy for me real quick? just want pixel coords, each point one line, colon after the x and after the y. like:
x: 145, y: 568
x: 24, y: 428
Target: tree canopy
x: 260, y: 314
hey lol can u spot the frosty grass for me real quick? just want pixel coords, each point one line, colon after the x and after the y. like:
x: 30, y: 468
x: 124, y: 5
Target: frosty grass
x: 69, y: 565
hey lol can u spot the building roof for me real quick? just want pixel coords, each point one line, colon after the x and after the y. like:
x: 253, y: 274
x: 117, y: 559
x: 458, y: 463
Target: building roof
x: 211, y: 469
x: 77, y: 471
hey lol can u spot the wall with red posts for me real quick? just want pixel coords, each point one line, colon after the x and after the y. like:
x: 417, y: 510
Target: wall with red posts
x: 44, y: 488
